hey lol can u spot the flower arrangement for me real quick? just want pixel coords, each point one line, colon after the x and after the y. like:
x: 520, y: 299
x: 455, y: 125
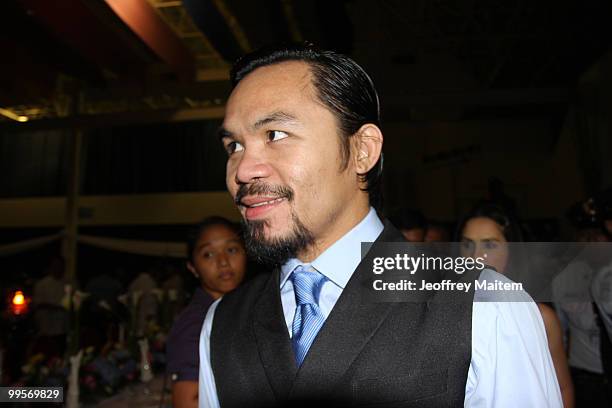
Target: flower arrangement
x: 104, y: 375
x: 157, y: 345
x: 40, y: 371
x: 104, y: 372
x: 99, y: 375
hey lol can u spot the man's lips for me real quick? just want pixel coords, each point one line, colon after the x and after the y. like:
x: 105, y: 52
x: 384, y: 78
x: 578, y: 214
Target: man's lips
x: 258, y: 201
x: 256, y: 207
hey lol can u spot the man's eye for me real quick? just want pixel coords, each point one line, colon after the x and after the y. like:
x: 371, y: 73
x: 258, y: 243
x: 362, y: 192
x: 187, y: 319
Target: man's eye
x: 233, y: 147
x: 208, y: 254
x: 275, y: 135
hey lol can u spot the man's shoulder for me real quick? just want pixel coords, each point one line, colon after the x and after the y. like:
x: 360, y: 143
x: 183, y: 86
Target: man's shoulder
x: 390, y: 233
x: 248, y: 293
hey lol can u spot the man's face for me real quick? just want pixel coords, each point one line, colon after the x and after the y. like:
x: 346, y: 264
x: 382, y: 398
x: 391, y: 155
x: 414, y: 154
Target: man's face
x: 284, y: 166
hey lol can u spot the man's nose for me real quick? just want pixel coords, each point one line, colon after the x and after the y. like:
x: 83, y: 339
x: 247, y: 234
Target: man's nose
x: 252, y: 166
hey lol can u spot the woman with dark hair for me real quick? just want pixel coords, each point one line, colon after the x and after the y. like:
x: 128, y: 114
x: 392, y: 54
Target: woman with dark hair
x: 485, y: 232
x: 217, y: 258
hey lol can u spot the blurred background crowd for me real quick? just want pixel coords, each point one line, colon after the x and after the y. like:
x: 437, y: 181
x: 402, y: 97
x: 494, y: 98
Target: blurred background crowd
x: 496, y: 118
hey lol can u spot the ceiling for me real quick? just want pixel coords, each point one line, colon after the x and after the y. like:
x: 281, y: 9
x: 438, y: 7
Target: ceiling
x: 101, y: 62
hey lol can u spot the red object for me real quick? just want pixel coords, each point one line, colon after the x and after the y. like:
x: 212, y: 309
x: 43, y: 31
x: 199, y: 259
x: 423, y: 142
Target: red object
x: 142, y: 19
x: 96, y: 30
x: 19, y: 303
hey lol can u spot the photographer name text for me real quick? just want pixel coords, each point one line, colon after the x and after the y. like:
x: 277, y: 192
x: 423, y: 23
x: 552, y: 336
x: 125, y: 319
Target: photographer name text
x: 446, y: 285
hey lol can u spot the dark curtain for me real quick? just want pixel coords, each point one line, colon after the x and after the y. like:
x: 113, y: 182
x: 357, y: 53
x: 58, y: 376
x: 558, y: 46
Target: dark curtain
x: 176, y: 157
x: 33, y: 164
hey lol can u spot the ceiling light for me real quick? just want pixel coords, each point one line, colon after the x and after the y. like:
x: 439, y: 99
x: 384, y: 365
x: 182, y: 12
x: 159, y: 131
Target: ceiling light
x: 12, y: 115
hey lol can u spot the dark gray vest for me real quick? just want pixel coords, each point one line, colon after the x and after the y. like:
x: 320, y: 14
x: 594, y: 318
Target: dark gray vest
x: 382, y: 354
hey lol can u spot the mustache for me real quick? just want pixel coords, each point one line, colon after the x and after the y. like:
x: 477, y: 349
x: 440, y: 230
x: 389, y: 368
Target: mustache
x: 263, y: 189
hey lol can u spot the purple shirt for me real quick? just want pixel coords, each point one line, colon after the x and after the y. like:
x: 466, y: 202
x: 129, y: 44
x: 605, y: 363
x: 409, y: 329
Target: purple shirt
x: 183, y: 358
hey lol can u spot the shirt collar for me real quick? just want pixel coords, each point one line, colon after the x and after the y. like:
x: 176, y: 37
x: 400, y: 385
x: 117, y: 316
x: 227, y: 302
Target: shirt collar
x: 339, y: 261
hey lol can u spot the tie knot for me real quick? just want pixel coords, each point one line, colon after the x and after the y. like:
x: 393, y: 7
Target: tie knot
x: 307, y: 285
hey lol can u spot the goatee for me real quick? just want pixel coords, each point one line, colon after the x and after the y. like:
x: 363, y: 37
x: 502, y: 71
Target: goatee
x: 276, y: 251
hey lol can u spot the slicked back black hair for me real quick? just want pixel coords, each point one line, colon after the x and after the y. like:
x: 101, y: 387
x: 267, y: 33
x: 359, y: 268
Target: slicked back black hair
x: 341, y: 85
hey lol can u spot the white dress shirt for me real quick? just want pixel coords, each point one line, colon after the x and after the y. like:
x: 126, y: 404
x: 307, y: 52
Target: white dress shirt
x: 601, y: 290
x: 574, y: 304
x: 510, y: 366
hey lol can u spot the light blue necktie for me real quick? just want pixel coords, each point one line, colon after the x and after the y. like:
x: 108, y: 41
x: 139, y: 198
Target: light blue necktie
x: 308, y: 318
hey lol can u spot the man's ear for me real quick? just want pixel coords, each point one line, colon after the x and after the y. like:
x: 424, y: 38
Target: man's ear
x: 367, y: 147
x: 191, y: 269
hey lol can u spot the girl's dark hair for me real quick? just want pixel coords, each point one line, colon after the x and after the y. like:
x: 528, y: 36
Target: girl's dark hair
x: 197, y: 230
x: 341, y: 85
x: 488, y: 209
